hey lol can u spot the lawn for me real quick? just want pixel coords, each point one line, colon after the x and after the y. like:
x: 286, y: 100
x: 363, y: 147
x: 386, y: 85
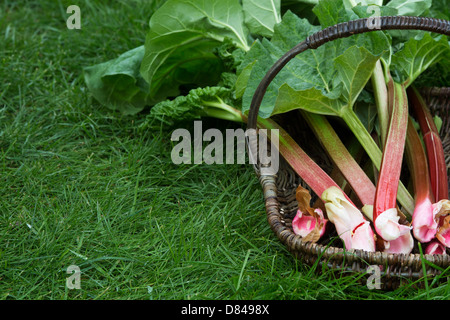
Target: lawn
x: 82, y: 185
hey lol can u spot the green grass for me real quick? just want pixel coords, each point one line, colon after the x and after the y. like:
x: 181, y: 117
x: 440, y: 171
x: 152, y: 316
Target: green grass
x: 81, y: 185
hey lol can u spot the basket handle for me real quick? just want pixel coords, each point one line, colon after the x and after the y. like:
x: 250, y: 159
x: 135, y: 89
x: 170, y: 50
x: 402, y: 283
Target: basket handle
x: 342, y: 30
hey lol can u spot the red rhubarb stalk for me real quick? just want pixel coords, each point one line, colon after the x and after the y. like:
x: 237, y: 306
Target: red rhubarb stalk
x: 385, y: 207
x: 433, y: 145
x: 435, y: 247
x: 388, y: 179
x: 423, y: 220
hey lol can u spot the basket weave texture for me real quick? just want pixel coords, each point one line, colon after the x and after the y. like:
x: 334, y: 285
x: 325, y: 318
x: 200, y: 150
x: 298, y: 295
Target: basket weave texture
x: 281, y: 206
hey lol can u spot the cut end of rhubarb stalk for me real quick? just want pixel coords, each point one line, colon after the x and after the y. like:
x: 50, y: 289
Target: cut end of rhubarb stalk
x: 310, y: 228
x: 441, y: 210
x: 443, y: 233
x: 388, y: 227
x: 424, y: 222
x: 363, y: 238
x: 349, y: 222
x: 433, y: 144
x: 403, y: 244
x: 435, y: 247
x: 308, y: 223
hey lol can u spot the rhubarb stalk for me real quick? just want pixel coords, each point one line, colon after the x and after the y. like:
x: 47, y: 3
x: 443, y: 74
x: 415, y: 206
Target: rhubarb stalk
x: 375, y: 154
x: 433, y: 144
x: 363, y: 187
x: 381, y: 99
x: 423, y: 221
x: 385, y: 207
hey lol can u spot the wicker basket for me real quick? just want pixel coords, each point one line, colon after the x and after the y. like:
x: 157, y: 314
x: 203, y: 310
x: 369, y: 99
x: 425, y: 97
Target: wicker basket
x: 281, y: 205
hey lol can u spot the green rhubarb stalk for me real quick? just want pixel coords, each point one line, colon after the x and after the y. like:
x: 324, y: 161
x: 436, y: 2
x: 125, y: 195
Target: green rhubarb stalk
x: 381, y: 99
x: 350, y: 169
x: 433, y: 144
x: 223, y: 111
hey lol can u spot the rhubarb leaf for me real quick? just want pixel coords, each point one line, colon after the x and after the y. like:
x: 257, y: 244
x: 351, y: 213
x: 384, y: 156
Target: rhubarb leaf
x: 440, y: 9
x: 183, y: 34
x: 300, y: 1
x: 199, y: 102
x: 410, y: 7
x: 325, y: 80
x: 365, y: 2
x: 354, y: 68
x: 261, y: 16
x: 117, y: 83
x: 416, y: 56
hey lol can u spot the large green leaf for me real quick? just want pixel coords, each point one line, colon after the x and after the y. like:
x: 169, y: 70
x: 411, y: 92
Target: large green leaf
x: 117, y: 83
x: 354, y: 68
x: 326, y: 79
x: 186, y: 32
x: 288, y: 2
x: 353, y: 3
x: 416, y: 56
x: 261, y: 16
x: 440, y: 9
x: 410, y: 7
x: 407, y: 8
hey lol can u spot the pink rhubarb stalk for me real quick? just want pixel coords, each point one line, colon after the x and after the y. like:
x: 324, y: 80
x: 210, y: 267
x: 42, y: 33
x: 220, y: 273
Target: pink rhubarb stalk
x: 423, y: 221
x: 430, y: 220
x: 433, y: 144
x: 385, y: 215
